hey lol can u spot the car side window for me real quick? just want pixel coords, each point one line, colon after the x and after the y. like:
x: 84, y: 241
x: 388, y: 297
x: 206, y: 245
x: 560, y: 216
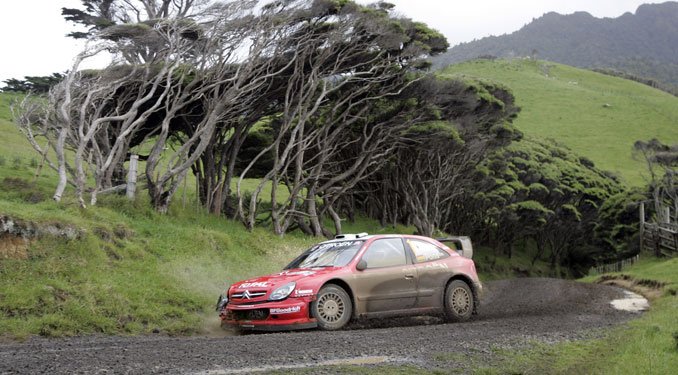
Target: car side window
x: 387, y: 252
x: 425, y: 251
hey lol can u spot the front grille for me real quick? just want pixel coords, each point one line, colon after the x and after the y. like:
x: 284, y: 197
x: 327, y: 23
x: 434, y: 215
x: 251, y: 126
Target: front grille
x: 247, y: 295
x: 256, y: 314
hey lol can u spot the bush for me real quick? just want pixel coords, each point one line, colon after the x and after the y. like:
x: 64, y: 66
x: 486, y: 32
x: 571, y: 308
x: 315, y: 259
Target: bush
x: 16, y: 162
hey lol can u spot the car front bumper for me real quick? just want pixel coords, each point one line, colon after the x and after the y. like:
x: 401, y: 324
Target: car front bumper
x: 289, y: 314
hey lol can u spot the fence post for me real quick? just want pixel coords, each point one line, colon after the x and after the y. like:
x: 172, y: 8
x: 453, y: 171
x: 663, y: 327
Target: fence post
x: 642, y: 225
x: 132, y: 176
x: 667, y: 212
x: 657, y: 233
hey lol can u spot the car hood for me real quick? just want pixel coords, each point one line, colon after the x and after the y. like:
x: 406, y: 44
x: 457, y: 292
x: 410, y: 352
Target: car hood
x: 275, y: 280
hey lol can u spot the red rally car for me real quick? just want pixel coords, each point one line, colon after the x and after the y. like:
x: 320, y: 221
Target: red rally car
x: 358, y: 276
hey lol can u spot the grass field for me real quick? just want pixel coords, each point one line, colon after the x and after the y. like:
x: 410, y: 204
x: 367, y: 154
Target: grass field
x: 597, y: 116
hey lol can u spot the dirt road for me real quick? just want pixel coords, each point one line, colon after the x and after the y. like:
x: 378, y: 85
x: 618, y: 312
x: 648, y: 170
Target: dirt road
x: 513, y: 312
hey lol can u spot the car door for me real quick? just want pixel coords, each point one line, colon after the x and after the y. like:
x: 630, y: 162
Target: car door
x: 389, y: 281
x: 432, y: 271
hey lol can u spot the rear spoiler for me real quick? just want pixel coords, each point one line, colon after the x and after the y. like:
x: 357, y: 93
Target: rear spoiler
x: 461, y: 244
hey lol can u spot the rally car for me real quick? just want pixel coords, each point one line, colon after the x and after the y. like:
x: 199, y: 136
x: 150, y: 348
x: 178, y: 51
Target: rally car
x: 358, y: 276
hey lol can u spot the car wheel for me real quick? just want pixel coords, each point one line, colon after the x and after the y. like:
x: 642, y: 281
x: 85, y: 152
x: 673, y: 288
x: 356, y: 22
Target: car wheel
x: 332, y: 308
x: 458, y: 301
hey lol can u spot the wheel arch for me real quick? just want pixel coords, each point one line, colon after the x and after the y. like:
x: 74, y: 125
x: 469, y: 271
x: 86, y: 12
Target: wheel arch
x: 344, y: 285
x: 471, y: 284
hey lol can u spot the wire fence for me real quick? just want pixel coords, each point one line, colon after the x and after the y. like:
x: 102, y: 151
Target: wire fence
x: 616, y: 266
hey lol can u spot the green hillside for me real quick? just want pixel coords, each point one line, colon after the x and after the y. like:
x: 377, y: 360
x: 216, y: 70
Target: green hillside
x: 597, y: 116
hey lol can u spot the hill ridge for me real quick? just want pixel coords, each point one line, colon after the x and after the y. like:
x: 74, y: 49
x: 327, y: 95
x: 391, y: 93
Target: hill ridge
x: 635, y: 43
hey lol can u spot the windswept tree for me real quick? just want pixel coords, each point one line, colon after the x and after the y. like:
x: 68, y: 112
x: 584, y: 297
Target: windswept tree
x: 183, y: 85
x: 97, y: 15
x: 347, y: 60
x: 175, y: 101
x: 540, y: 191
x: 434, y: 162
x: 662, y: 166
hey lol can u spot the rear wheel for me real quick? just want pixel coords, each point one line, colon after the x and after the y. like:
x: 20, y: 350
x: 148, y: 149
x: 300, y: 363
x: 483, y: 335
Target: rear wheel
x: 459, y: 301
x: 332, y: 308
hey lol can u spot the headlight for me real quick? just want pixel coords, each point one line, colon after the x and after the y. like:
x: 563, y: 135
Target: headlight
x: 282, y: 292
x: 221, y: 302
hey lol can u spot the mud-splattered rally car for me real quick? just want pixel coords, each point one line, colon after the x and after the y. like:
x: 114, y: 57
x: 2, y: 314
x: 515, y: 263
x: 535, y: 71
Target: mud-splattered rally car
x: 357, y: 276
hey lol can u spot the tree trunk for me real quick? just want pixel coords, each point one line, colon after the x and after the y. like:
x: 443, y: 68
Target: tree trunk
x: 312, y: 210
x: 61, y: 162
x: 336, y: 219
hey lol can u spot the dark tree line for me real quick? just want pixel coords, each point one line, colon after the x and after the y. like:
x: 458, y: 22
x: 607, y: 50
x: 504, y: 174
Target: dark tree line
x: 32, y: 84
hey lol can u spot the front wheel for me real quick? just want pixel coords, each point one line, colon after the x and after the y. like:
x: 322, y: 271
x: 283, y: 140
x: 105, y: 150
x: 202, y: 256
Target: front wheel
x: 459, y: 301
x: 332, y: 308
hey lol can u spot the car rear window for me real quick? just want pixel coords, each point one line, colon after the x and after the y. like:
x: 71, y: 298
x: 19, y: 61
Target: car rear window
x: 327, y: 254
x: 425, y: 252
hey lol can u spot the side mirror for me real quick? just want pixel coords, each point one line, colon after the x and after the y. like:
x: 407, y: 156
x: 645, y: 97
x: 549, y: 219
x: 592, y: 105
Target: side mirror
x: 361, y: 265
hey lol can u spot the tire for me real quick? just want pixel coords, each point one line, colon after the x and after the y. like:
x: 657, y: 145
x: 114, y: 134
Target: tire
x: 459, y: 301
x: 332, y: 308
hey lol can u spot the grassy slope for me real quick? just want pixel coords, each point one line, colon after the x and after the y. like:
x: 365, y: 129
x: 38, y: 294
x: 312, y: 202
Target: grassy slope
x: 595, y: 115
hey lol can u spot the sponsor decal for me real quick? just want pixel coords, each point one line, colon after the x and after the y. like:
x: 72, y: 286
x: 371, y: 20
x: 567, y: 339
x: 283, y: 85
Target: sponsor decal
x: 286, y: 310
x: 436, y: 265
x: 330, y: 245
x: 254, y: 285
x: 303, y: 292
x: 297, y: 273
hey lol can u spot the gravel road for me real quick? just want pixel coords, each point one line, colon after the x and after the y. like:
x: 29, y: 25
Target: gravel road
x: 513, y: 313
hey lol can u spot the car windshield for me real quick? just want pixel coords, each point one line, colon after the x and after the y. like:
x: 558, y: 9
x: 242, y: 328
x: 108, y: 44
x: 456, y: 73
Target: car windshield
x: 327, y: 254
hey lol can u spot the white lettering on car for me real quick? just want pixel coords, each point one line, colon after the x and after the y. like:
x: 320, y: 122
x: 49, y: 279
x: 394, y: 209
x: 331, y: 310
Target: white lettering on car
x: 335, y: 244
x: 303, y: 292
x: 436, y: 265
x: 297, y: 273
x: 286, y: 310
x: 254, y: 285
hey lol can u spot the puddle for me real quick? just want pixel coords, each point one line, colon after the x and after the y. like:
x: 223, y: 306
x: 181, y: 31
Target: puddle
x: 631, y: 302
x: 333, y: 362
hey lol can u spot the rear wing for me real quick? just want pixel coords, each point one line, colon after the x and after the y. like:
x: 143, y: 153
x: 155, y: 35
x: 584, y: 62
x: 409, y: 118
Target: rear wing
x: 461, y: 244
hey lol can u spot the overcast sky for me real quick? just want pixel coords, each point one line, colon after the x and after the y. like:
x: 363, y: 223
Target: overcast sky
x: 34, y: 42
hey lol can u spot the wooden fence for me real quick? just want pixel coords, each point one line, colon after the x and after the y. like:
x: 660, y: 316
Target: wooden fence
x: 616, y: 266
x: 660, y: 238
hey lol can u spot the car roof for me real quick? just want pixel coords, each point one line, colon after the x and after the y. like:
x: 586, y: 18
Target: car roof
x: 365, y: 236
